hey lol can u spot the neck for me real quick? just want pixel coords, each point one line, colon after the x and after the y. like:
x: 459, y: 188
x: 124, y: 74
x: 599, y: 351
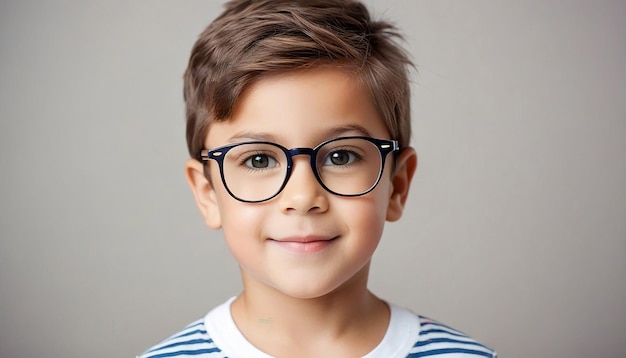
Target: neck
x: 350, y: 314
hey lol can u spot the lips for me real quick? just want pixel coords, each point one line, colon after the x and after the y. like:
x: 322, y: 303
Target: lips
x: 304, y: 244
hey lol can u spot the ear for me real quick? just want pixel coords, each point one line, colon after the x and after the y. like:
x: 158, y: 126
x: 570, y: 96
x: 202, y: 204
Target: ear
x: 204, y: 193
x: 400, y: 183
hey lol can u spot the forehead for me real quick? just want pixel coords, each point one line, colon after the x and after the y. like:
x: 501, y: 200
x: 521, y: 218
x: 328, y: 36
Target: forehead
x: 301, y: 109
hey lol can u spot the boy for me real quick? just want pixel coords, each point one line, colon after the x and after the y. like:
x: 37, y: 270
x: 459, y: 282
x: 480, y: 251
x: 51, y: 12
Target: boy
x: 298, y: 126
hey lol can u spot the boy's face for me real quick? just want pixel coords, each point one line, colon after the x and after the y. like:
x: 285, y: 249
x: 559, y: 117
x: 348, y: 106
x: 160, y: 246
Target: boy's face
x: 305, y: 242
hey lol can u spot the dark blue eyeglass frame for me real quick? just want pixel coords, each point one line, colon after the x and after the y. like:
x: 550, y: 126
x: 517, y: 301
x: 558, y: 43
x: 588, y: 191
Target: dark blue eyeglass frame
x: 385, y: 146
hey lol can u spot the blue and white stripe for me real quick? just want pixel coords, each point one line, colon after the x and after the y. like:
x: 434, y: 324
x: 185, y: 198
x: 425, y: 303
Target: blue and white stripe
x: 192, y: 341
x: 440, y: 340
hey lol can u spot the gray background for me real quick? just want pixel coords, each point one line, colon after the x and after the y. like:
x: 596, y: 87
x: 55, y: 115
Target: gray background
x: 516, y: 227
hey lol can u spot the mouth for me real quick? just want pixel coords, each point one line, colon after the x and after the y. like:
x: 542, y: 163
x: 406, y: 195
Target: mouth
x: 304, y: 244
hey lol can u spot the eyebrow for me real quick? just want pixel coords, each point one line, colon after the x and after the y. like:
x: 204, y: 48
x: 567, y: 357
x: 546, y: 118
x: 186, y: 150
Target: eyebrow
x: 342, y: 130
x: 252, y: 136
x: 327, y: 134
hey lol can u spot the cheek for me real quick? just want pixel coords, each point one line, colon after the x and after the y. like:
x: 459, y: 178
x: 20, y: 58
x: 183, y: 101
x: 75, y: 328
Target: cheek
x: 374, y: 210
x: 242, y: 229
x: 365, y: 215
x: 235, y: 215
x: 381, y: 196
x: 240, y: 220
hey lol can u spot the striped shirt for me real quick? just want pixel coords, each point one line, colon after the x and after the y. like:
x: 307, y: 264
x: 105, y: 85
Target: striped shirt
x: 408, y: 335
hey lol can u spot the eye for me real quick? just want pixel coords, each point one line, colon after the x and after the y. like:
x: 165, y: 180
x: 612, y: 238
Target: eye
x: 341, y: 157
x: 260, y: 161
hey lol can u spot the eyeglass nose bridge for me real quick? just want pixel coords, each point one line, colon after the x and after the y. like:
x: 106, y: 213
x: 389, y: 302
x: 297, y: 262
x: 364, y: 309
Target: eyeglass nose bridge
x: 301, y: 151
x: 311, y: 152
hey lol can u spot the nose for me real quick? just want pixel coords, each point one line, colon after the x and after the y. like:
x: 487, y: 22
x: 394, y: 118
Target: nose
x: 303, y: 193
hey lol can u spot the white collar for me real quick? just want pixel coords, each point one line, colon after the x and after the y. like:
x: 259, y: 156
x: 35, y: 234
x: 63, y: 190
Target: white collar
x: 402, y: 333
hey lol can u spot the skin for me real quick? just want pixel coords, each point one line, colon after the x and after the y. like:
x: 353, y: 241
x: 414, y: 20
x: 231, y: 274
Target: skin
x: 305, y: 299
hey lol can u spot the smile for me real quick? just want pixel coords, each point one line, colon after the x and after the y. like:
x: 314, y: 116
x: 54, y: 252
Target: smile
x: 305, y: 244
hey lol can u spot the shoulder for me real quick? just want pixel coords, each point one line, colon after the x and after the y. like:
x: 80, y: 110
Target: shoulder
x: 193, y: 340
x: 437, y: 339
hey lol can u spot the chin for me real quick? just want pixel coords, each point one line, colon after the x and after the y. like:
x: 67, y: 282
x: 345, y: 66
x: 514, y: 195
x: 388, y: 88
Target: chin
x: 306, y: 293
x: 317, y: 287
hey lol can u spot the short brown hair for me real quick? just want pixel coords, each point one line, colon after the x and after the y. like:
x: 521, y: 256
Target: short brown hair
x: 253, y: 38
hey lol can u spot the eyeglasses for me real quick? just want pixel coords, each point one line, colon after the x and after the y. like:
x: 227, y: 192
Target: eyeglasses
x: 253, y: 172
